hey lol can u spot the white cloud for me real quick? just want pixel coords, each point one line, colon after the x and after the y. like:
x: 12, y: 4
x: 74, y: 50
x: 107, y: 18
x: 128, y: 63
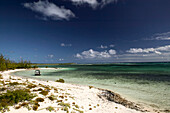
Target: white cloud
x: 65, y: 45
x: 93, y: 3
x: 103, y: 47
x: 112, y: 52
x: 157, y: 50
x: 160, y: 36
x: 111, y: 45
x: 61, y: 59
x: 90, y: 54
x: 50, y: 10
x: 105, y: 2
x: 50, y: 56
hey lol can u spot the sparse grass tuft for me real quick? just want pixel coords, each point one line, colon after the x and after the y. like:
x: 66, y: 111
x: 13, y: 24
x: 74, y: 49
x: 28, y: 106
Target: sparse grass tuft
x: 91, y: 87
x: 31, y: 86
x: 44, y: 92
x: 3, y: 89
x: 14, y: 83
x: 24, y: 104
x: 13, y: 97
x: 64, y: 104
x: 35, y: 107
x: 76, y: 106
x: 39, y: 99
x: 17, y: 107
x: 60, y: 80
x: 1, y: 77
x: 50, y: 108
x: 51, y: 97
x: 78, y: 110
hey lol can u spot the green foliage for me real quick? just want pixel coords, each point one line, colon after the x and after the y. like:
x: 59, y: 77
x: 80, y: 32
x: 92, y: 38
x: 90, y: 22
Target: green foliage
x: 50, y: 108
x: 51, y: 97
x: 13, y: 97
x: 13, y: 83
x: 6, y: 64
x: 31, y: 86
x: 35, y: 107
x: 64, y: 104
x: 44, y: 93
x: 78, y: 110
x: 60, y: 80
x: 1, y: 77
x: 39, y: 99
x: 35, y: 67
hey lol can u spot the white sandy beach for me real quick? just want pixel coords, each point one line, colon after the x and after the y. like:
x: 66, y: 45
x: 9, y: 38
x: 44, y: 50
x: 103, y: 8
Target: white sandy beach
x: 80, y: 98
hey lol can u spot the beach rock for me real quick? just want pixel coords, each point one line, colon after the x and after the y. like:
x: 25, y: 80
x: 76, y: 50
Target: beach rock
x: 111, y: 96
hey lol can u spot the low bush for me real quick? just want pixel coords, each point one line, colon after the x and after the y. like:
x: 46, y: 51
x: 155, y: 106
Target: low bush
x: 3, y: 89
x: 14, y: 83
x: 50, y: 108
x: 44, y: 93
x: 13, y: 97
x: 1, y: 77
x: 64, y: 104
x: 35, y: 107
x: 31, y: 86
x: 51, y: 98
x: 60, y: 80
x: 39, y: 99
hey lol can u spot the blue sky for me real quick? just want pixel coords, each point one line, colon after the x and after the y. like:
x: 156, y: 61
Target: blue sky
x: 85, y: 31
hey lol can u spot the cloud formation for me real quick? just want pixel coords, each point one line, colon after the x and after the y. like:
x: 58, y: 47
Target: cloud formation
x: 50, y: 56
x: 61, y: 59
x: 103, y: 47
x: 160, y: 36
x: 50, y: 10
x: 90, y: 54
x: 65, y: 45
x: 93, y: 3
x: 105, y: 2
x: 157, y: 50
x: 111, y: 45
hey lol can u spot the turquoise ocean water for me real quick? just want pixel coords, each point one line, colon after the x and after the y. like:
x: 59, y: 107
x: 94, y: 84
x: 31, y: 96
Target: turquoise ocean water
x: 144, y: 83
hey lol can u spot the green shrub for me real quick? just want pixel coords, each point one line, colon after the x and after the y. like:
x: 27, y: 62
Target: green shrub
x: 36, y: 103
x: 64, y: 104
x: 35, y: 67
x: 31, y: 86
x: 24, y: 104
x: 35, y: 107
x: 40, y: 89
x: 3, y: 89
x: 17, y: 107
x: 1, y: 77
x: 78, y: 110
x: 60, y: 80
x: 50, y: 108
x: 76, y: 106
x: 13, y: 97
x: 39, y: 100
x: 44, y: 93
x: 13, y: 83
x: 51, y: 98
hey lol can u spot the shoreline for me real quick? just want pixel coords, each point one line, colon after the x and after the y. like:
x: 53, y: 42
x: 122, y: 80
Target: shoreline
x: 91, y: 99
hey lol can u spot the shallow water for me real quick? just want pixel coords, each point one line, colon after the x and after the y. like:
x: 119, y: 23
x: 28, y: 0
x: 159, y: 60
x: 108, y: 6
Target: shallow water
x: 144, y: 83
